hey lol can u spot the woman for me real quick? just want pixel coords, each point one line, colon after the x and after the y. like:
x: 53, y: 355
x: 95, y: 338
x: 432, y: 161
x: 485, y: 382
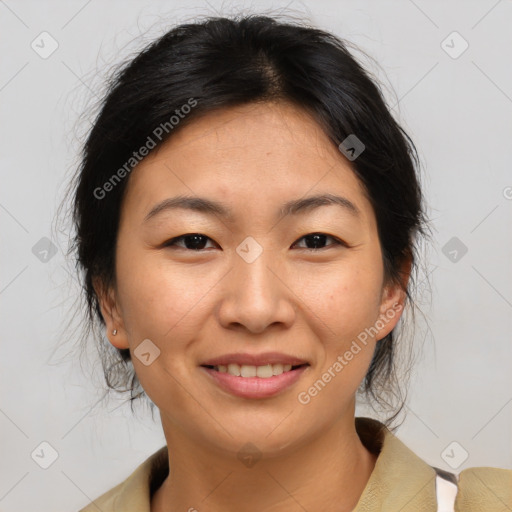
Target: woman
x: 247, y: 214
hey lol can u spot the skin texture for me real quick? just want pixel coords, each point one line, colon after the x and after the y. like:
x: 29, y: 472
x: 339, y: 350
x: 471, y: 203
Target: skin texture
x: 195, y: 305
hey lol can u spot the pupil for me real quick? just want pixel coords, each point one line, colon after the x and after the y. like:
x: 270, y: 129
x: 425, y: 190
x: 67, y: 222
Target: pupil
x: 196, y: 244
x: 315, y: 238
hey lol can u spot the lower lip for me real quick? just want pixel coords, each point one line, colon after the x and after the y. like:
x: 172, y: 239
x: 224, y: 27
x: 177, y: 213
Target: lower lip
x: 255, y: 387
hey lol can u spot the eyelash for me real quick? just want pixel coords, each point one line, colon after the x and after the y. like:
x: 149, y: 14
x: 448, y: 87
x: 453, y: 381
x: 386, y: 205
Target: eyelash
x: 337, y: 242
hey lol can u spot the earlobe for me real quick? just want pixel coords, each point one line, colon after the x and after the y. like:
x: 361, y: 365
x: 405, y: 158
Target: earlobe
x: 116, y: 334
x: 118, y: 339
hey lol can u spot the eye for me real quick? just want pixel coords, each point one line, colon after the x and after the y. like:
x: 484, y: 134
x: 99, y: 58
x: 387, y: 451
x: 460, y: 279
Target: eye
x: 318, y: 239
x: 197, y: 241
x: 192, y: 241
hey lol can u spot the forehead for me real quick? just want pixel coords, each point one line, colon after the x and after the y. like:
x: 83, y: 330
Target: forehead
x: 256, y: 152
x: 263, y: 131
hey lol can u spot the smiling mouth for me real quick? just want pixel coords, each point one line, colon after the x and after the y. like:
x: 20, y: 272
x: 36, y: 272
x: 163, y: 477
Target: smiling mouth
x: 247, y: 371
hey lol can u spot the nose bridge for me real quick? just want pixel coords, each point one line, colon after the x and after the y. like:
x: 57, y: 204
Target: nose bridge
x: 252, y: 266
x: 255, y: 297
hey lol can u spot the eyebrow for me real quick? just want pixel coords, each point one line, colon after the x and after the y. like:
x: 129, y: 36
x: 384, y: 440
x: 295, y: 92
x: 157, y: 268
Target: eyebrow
x: 210, y: 207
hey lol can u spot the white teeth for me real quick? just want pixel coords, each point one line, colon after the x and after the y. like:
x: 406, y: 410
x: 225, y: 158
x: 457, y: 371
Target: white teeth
x: 245, y: 370
x: 264, y: 371
x: 234, y: 369
x: 277, y: 369
x: 248, y: 371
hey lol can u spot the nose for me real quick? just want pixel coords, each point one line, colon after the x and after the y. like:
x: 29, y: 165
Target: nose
x: 257, y: 294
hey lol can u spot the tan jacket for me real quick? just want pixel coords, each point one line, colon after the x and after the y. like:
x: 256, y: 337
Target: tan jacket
x: 400, y: 481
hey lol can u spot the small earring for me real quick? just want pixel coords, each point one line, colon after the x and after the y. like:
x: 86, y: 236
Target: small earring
x: 114, y: 332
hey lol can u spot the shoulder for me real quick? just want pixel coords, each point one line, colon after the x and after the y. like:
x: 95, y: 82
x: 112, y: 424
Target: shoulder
x: 106, y: 502
x: 484, y: 488
x: 403, y: 481
x: 134, y: 493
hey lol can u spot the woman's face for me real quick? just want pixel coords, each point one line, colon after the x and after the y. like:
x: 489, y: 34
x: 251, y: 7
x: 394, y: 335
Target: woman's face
x: 254, y: 282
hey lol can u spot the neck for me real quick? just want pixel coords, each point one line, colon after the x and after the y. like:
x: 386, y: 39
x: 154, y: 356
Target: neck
x: 327, y: 473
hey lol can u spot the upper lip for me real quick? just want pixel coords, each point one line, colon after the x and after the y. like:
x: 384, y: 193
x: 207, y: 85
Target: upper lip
x: 254, y: 359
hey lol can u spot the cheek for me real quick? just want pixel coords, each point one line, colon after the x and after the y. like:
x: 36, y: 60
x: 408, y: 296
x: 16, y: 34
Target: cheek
x: 159, y: 298
x: 346, y: 298
x: 161, y: 302
x: 343, y: 318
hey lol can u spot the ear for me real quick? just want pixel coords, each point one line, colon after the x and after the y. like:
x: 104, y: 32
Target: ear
x: 393, y: 302
x: 109, y: 310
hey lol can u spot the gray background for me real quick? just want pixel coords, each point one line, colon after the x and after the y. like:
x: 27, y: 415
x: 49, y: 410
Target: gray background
x: 458, y: 110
